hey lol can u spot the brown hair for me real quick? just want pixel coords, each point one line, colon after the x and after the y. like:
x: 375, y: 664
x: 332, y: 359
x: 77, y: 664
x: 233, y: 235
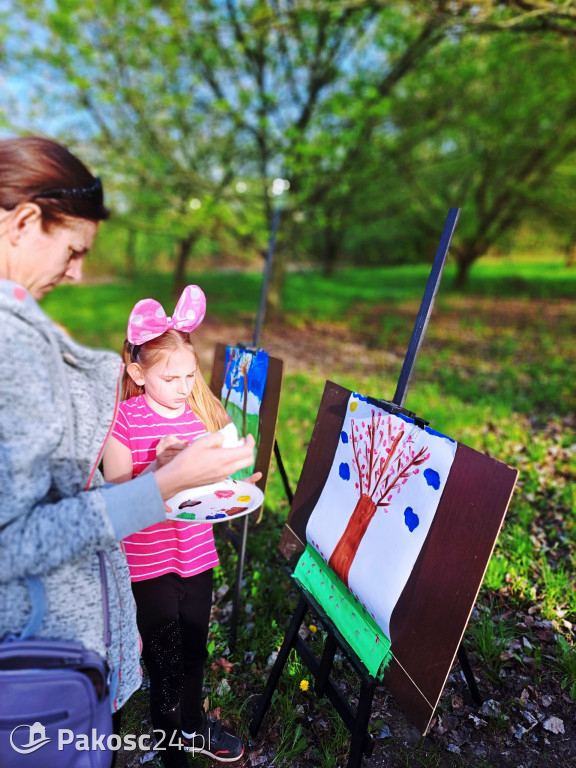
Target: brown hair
x: 30, y: 167
x: 203, y: 403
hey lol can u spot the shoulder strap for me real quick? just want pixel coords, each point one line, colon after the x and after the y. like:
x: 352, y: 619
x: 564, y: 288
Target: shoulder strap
x: 38, y: 600
x: 105, y: 605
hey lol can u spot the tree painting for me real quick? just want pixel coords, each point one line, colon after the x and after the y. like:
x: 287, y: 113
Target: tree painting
x: 383, y: 461
x: 378, y: 503
x: 243, y: 386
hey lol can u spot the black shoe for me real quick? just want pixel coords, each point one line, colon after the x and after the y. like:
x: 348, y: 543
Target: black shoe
x: 214, y: 742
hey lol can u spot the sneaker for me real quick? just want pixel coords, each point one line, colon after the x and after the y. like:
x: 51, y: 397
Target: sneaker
x: 214, y: 742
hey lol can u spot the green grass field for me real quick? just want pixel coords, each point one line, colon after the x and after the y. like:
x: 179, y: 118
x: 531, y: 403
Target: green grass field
x: 496, y: 372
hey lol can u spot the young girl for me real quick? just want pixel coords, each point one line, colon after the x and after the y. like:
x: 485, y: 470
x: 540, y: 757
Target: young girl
x: 166, y: 405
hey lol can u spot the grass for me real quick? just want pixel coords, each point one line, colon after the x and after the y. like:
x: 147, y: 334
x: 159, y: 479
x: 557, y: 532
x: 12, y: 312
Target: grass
x: 565, y: 665
x: 496, y: 371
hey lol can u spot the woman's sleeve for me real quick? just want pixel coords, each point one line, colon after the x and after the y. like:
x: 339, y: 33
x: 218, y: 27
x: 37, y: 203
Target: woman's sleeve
x: 39, y: 531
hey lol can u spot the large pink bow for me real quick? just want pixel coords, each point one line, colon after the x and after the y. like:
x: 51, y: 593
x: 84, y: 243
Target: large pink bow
x: 148, y: 319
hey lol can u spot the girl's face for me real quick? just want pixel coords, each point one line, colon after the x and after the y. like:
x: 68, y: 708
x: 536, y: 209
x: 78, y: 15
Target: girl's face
x: 168, y: 383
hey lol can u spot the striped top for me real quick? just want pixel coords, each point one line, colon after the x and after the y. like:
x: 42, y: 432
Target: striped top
x: 174, y: 546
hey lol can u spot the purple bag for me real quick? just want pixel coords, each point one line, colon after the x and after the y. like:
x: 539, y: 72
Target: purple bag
x: 55, y: 707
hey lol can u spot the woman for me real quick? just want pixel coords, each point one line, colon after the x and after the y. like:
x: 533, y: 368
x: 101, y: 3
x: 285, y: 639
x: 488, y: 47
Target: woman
x: 57, y: 406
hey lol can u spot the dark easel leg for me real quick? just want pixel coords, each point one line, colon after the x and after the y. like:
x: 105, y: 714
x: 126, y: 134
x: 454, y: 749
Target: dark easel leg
x: 469, y: 675
x: 276, y: 671
x: 239, y: 543
x: 240, y: 546
x: 328, y: 654
x: 289, y: 494
x: 361, y: 743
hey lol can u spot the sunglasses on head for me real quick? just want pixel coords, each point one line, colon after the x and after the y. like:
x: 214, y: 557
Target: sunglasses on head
x: 93, y: 193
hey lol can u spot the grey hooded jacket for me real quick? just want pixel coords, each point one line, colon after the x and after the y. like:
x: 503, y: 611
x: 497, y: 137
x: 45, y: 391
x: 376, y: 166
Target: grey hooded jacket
x: 57, y: 404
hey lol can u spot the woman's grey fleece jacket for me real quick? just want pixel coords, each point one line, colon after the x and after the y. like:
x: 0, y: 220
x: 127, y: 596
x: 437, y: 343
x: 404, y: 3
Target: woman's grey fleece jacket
x: 57, y: 403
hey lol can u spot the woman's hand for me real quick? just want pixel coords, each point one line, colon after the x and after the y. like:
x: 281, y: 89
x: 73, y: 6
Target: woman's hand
x: 253, y: 478
x: 168, y: 447
x: 202, y: 463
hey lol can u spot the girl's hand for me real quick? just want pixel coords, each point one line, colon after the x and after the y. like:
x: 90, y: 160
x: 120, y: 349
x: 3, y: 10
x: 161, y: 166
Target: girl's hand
x: 202, y: 463
x: 168, y: 447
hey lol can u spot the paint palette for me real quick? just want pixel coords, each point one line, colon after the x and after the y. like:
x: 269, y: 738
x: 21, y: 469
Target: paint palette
x: 216, y: 503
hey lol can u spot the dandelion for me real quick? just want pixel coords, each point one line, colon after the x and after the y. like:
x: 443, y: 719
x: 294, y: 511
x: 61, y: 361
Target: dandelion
x: 304, y: 685
x: 313, y: 628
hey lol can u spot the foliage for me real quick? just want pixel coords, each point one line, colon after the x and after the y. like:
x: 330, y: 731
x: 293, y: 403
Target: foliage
x: 380, y: 114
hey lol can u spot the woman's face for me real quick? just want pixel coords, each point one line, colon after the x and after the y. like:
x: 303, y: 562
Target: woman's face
x: 39, y: 260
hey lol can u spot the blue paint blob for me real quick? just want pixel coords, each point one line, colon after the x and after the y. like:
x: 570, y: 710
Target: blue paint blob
x: 411, y: 519
x: 344, y: 471
x: 344, y: 436
x: 358, y: 396
x: 217, y: 516
x: 432, y: 478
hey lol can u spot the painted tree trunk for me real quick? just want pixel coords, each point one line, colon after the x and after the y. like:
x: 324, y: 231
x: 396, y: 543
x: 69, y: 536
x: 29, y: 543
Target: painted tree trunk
x: 245, y: 405
x: 345, y: 551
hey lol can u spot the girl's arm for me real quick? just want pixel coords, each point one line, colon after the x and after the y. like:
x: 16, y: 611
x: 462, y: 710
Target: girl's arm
x: 118, y: 465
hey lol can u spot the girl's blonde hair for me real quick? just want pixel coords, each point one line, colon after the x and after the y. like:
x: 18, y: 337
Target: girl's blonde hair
x: 203, y: 403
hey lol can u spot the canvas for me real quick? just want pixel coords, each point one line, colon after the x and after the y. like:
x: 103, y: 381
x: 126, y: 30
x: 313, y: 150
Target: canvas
x: 378, y: 503
x: 244, y: 382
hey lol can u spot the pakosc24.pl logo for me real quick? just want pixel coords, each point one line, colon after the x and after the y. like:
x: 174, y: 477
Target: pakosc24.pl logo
x: 36, y: 738
x: 28, y: 738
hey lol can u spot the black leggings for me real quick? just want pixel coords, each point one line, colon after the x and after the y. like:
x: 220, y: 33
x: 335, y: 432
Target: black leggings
x: 173, y: 614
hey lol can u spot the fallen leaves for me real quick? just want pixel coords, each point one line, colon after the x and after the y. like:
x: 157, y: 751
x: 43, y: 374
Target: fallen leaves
x: 554, y: 725
x: 224, y: 664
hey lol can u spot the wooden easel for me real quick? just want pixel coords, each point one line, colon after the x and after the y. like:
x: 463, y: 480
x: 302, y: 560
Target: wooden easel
x: 268, y: 419
x: 438, y: 599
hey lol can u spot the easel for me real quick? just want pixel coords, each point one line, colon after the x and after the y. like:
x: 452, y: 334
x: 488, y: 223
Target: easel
x: 268, y: 420
x: 432, y: 605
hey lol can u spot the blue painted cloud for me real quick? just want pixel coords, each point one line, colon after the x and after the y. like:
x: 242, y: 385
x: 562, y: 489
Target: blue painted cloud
x: 344, y: 471
x: 411, y: 519
x: 432, y: 478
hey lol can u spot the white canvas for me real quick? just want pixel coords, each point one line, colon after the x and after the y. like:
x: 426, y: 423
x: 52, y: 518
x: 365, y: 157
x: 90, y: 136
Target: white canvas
x: 414, y: 478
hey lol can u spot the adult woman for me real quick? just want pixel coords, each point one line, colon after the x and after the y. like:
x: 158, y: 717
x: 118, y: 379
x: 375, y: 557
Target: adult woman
x: 57, y: 405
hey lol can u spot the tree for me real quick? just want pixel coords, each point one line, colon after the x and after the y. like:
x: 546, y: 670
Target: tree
x: 188, y: 98
x: 383, y: 461
x: 189, y: 102
x: 480, y: 132
x: 469, y: 129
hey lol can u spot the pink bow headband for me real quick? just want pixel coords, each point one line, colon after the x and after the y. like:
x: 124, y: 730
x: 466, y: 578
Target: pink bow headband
x: 148, y: 320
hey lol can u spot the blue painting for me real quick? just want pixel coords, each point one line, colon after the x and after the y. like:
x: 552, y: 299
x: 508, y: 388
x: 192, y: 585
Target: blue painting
x: 243, y: 387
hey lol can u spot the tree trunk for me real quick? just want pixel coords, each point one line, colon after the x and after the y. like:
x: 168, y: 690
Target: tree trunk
x: 183, y: 250
x: 274, y: 308
x: 245, y: 404
x: 463, y: 264
x: 331, y: 246
x: 345, y: 551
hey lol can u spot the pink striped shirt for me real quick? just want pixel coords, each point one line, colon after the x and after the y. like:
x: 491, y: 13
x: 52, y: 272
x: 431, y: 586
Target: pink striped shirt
x: 174, y: 546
